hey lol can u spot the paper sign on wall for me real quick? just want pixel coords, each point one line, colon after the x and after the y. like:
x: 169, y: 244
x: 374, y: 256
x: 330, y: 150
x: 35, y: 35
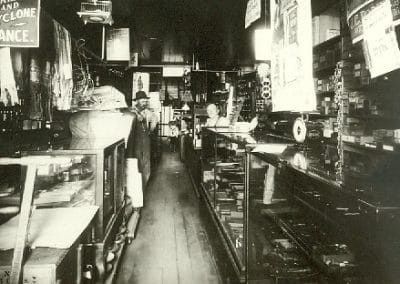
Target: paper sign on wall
x: 253, y: 12
x: 141, y: 82
x: 118, y: 44
x: 380, y: 46
x: 19, y: 23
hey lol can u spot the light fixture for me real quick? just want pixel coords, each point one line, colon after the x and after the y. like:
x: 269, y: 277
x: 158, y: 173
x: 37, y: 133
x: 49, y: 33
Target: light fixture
x: 262, y: 44
x: 186, y: 107
x: 96, y: 12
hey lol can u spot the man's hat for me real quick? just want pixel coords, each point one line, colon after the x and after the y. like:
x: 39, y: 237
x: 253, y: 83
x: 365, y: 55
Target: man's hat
x: 141, y: 95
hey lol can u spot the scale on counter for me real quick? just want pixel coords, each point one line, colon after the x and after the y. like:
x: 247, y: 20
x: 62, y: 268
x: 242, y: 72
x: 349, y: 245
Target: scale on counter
x: 299, y: 130
x: 304, y: 130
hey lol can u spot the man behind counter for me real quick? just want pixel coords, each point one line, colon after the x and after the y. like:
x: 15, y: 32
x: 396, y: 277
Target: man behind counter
x: 214, y: 119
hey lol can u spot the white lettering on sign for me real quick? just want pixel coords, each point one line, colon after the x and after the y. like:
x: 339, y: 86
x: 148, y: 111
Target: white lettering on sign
x: 19, y: 23
x: 6, y: 1
x: 14, y: 35
x: 11, y: 6
x: 18, y: 14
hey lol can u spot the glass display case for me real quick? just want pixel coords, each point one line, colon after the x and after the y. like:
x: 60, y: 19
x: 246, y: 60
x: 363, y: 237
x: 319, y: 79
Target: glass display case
x: 319, y: 230
x: 84, y: 172
x: 62, y: 217
x: 276, y: 226
x: 223, y: 166
x: 223, y: 180
x: 280, y: 214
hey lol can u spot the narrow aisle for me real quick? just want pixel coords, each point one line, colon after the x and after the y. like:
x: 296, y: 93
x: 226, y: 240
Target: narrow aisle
x: 171, y: 244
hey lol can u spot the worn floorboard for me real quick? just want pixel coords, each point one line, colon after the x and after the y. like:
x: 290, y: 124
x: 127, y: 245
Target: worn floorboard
x: 171, y: 244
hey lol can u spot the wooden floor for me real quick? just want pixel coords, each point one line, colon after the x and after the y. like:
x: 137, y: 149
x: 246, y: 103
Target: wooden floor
x: 171, y: 244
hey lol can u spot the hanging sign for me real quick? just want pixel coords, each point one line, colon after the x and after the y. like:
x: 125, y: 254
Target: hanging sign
x: 19, y: 23
x: 380, y: 46
x: 118, y: 44
x: 356, y: 9
x: 172, y: 71
x: 291, y: 64
x: 253, y: 12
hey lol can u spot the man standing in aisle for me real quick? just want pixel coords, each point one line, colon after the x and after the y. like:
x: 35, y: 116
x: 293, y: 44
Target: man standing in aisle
x: 138, y: 146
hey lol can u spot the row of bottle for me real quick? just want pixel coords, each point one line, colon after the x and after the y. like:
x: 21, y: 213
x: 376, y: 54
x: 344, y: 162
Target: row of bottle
x: 9, y: 117
x: 12, y: 118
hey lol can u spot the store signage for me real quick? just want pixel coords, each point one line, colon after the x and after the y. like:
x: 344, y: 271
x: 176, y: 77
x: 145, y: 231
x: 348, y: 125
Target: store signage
x: 253, y: 12
x: 118, y: 44
x: 291, y: 60
x: 356, y: 9
x: 173, y: 71
x: 19, y: 23
x: 140, y: 82
x: 381, y: 50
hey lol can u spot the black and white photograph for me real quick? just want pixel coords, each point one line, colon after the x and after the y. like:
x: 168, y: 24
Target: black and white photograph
x: 199, y: 141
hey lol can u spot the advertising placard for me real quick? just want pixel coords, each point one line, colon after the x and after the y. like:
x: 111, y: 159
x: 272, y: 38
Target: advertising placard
x: 141, y: 82
x: 291, y: 64
x: 356, y: 9
x: 381, y: 50
x: 19, y: 23
x: 118, y: 44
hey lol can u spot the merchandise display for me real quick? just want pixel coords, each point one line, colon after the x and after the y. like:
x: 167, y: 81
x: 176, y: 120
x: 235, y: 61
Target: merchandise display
x: 281, y: 217
x: 81, y: 174
x: 293, y: 157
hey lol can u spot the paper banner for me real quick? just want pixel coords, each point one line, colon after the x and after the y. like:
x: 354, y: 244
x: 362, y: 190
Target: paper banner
x: 380, y: 46
x: 291, y: 66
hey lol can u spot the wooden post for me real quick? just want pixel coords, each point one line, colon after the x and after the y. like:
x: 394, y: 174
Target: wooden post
x: 23, y: 226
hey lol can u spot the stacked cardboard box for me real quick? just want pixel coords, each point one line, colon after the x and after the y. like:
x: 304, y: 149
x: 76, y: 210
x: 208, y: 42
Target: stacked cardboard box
x: 330, y: 127
x: 326, y: 58
x: 396, y: 136
x: 381, y: 135
x: 361, y: 74
x: 326, y: 25
x: 324, y: 84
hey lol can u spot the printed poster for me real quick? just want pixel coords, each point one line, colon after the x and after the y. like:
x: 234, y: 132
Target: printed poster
x: 19, y: 23
x: 141, y: 82
x: 291, y: 64
x: 356, y: 9
x: 117, y: 44
x: 380, y: 46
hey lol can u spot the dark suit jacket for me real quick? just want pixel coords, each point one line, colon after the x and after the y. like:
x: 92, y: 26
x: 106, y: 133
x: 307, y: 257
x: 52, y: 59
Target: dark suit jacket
x: 138, y: 145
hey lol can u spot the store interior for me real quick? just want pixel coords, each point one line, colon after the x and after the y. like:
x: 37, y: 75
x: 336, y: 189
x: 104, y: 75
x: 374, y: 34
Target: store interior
x: 199, y: 141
